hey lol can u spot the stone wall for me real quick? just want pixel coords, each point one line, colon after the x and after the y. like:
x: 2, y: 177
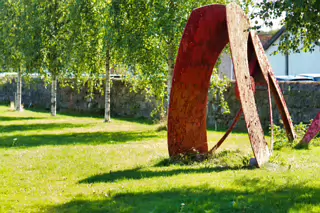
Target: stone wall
x: 124, y: 103
x: 303, y: 100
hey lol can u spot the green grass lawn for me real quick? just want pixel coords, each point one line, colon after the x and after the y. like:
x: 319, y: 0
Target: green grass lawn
x: 80, y: 164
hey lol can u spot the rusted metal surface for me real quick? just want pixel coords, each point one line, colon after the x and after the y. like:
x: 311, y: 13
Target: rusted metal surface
x: 265, y: 68
x: 260, y: 73
x: 207, y: 32
x: 238, y: 25
x: 204, y: 38
x: 224, y: 137
x: 313, y: 131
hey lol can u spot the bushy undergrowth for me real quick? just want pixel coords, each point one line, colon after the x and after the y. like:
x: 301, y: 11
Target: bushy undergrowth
x: 281, y: 139
x: 232, y: 159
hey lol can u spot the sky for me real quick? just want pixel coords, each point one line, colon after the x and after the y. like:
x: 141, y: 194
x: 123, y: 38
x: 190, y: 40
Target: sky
x: 276, y: 22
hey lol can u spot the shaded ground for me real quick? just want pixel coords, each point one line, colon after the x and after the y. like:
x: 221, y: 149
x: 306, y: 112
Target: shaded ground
x: 80, y: 164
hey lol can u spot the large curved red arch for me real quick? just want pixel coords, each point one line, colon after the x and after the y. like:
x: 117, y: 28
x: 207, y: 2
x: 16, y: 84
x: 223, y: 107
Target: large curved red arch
x: 204, y: 38
x: 207, y: 32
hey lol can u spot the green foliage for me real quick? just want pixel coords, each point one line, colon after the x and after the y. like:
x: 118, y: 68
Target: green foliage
x: 55, y: 36
x: 19, y: 37
x: 75, y: 40
x: 218, y: 88
x: 227, y: 158
x: 156, y: 29
x: 300, y: 19
x: 121, y: 167
x: 280, y: 136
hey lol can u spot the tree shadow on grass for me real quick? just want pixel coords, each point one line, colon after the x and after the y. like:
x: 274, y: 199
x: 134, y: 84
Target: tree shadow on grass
x: 141, y: 120
x: 88, y: 138
x: 138, y: 174
x: 163, y: 169
x: 8, y: 118
x: 136, y: 120
x: 45, y: 126
x: 248, y: 195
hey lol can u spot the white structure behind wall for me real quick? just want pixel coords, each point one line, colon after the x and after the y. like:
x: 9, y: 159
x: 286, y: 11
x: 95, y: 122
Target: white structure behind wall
x: 278, y: 62
x: 305, y: 63
x: 294, y: 63
x: 226, y: 66
x: 282, y: 65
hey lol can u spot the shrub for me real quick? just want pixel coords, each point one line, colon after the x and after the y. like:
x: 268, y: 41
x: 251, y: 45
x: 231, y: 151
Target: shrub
x: 281, y: 139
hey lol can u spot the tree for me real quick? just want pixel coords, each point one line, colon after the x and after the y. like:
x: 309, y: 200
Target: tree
x: 2, y: 35
x: 95, y: 42
x: 301, y: 19
x: 156, y: 28
x: 13, y: 37
x: 97, y: 30
x: 86, y: 61
x: 55, y: 35
x: 19, y: 40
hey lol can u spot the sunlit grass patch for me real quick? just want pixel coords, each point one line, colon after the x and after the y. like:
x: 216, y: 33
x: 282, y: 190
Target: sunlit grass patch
x: 80, y: 164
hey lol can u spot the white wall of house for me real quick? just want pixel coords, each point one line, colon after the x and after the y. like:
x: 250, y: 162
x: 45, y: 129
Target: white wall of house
x: 305, y: 63
x: 278, y: 62
x: 298, y: 63
x: 226, y: 67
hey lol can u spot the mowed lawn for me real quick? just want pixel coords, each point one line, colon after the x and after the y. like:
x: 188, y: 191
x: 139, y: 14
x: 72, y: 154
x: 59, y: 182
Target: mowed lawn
x: 80, y: 164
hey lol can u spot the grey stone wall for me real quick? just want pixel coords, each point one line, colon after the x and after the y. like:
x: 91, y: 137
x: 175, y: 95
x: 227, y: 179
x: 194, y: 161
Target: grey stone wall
x: 124, y: 102
x: 303, y: 101
x: 302, y: 98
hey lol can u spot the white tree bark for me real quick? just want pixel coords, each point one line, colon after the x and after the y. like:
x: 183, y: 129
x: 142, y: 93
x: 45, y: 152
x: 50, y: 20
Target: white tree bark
x: 170, y: 71
x: 54, y: 96
x: 107, y: 89
x: 19, y: 92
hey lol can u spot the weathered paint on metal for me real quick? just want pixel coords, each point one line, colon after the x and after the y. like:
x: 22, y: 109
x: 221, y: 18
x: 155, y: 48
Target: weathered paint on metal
x: 204, y: 38
x: 266, y: 69
x: 207, y: 32
x: 238, y: 26
x: 313, y: 130
x: 224, y: 137
x: 260, y: 73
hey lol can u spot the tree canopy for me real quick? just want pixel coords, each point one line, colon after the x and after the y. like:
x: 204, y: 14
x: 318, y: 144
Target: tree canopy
x: 155, y: 27
x: 301, y: 19
x: 83, y: 39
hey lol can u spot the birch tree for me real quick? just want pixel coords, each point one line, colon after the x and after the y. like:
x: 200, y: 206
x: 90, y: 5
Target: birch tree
x: 109, y: 35
x: 90, y: 56
x: 20, y: 40
x: 13, y: 36
x: 55, y: 36
x: 95, y: 39
x: 156, y: 28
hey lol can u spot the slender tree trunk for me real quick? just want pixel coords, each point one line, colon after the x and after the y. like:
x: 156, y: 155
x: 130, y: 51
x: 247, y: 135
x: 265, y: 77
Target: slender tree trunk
x: 107, y: 89
x: 19, y: 91
x: 170, y: 70
x: 54, y: 96
x: 171, y: 51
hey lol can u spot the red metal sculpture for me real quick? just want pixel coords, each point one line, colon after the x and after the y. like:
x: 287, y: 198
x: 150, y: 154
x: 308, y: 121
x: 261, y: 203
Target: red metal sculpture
x: 208, y: 31
x: 312, y: 132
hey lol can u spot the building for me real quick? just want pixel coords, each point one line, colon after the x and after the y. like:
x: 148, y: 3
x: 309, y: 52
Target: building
x: 282, y: 64
x: 294, y: 63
